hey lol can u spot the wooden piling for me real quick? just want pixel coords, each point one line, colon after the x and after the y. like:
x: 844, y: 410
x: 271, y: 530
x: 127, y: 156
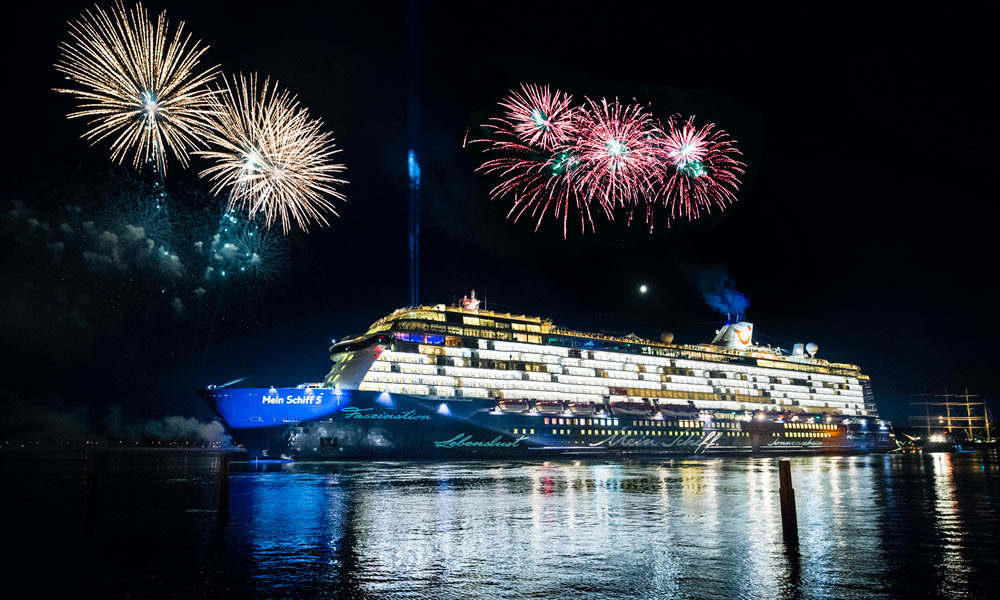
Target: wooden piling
x: 789, y: 522
x: 90, y: 474
x: 90, y: 483
x: 224, y: 485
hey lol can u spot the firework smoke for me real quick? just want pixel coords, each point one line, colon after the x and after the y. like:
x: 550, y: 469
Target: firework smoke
x: 115, y: 251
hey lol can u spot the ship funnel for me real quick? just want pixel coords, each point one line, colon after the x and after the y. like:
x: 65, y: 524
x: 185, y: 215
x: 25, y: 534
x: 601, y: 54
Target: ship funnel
x: 799, y: 349
x: 734, y: 335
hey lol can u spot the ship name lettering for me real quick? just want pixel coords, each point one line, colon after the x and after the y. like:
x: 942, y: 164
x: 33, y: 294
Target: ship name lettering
x: 353, y: 412
x: 462, y: 441
x: 628, y: 441
x: 809, y: 442
x: 269, y: 399
x: 302, y: 400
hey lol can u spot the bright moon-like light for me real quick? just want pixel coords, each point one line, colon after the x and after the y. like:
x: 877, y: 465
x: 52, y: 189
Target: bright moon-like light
x: 643, y: 289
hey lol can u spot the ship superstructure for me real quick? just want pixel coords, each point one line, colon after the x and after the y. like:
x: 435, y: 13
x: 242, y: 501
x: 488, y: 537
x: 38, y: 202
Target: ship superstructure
x: 459, y: 380
x: 464, y: 352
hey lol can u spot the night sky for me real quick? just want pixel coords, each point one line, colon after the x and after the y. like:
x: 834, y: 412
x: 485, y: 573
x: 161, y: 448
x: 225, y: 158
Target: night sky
x: 865, y: 223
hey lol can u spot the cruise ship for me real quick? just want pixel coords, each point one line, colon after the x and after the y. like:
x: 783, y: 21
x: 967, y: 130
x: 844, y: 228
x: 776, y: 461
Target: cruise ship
x: 462, y: 382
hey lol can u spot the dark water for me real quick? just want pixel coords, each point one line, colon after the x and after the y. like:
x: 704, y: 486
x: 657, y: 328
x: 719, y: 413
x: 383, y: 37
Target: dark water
x: 870, y: 527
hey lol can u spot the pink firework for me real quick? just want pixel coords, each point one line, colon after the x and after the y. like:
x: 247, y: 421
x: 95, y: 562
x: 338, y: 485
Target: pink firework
x: 705, y: 171
x: 555, y: 159
x: 538, y: 117
x: 619, y: 148
x: 539, y: 184
x: 532, y: 155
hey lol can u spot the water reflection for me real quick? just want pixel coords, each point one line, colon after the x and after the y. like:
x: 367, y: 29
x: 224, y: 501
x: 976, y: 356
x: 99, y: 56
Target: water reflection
x: 952, y: 566
x: 685, y: 528
x: 294, y: 528
x: 869, y: 527
x: 609, y: 530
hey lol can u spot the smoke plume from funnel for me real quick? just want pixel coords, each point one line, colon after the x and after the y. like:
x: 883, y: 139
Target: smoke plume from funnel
x: 719, y: 291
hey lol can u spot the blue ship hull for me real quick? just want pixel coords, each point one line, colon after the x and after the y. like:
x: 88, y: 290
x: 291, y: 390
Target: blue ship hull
x: 328, y: 424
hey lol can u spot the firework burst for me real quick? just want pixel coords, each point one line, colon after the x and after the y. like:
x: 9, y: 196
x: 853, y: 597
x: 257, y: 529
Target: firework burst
x: 538, y: 117
x: 532, y: 157
x: 540, y: 183
x: 553, y: 158
x: 272, y: 158
x: 705, y: 171
x: 541, y: 186
x: 619, y: 149
x: 136, y: 84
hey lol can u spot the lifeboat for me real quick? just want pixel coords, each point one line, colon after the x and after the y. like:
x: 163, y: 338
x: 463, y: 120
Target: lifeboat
x: 582, y: 409
x: 631, y: 407
x: 683, y: 411
x: 549, y: 407
x: 514, y: 406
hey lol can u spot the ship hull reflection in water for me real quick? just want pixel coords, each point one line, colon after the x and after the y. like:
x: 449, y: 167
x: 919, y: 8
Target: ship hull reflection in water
x: 870, y: 527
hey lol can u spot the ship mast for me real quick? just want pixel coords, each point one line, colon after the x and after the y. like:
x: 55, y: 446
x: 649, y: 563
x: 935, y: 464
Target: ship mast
x: 968, y: 410
x: 947, y: 407
x: 986, y: 417
x: 927, y: 413
x: 970, y: 423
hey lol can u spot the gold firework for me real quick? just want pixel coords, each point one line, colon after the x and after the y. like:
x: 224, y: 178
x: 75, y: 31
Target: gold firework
x: 136, y: 84
x: 274, y: 160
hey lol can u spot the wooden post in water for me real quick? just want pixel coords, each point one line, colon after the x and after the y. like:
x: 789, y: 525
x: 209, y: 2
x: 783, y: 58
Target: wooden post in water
x: 90, y: 482
x: 224, y: 485
x: 789, y: 522
x: 90, y: 495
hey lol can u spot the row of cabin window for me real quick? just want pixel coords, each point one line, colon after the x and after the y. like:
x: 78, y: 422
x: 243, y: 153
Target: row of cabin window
x: 655, y: 432
x: 470, y: 332
x: 808, y: 426
x: 493, y: 334
x: 555, y: 421
x: 614, y: 422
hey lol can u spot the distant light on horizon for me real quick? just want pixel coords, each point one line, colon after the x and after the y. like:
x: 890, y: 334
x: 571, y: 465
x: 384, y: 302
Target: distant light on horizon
x: 643, y: 288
